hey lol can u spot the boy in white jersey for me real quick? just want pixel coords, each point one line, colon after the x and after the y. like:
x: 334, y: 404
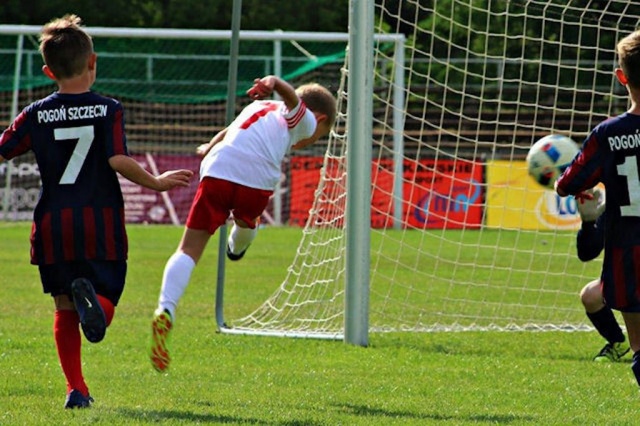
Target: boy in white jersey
x: 240, y: 169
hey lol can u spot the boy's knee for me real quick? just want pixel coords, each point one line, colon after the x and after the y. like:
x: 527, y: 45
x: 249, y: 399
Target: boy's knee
x: 591, y: 297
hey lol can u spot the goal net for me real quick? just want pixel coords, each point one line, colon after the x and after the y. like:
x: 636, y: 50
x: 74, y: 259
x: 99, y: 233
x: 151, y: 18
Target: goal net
x: 461, y: 237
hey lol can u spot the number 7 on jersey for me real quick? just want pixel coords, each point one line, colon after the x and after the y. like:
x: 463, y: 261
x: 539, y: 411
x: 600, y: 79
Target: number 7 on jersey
x: 84, y: 136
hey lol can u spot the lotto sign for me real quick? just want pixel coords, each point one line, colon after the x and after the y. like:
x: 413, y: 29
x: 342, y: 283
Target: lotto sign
x: 24, y: 192
x: 514, y: 201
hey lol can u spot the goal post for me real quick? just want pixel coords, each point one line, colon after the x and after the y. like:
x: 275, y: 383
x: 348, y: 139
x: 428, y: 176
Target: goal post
x: 234, y: 52
x: 358, y: 214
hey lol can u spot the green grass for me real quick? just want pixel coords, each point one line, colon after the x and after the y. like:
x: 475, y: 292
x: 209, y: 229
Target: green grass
x: 506, y: 378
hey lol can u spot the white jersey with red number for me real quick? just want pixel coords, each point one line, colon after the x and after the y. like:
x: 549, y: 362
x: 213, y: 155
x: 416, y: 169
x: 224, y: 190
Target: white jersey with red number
x: 256, y: 142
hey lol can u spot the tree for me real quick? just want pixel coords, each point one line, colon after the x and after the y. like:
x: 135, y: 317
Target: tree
x: 301, y: 15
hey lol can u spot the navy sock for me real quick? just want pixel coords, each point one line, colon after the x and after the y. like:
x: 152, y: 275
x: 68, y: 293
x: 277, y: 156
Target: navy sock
x: 605, y: 322
x: 635, y: 366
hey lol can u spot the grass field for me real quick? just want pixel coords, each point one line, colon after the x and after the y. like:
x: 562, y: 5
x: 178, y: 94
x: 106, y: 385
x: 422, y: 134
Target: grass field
x: 510, y: 378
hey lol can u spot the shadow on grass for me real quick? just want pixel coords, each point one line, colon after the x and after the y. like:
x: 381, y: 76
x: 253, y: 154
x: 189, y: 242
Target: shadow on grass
x: 533, y: 345
x: 361, y: 410
x: 191, y: 417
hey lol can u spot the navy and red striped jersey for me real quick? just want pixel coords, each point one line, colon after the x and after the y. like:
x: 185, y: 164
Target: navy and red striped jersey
x: 611, y: 155
x: 80, y: 212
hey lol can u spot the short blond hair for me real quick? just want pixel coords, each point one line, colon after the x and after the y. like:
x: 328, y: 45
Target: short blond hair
x: 628, y: 50
x: 319, y: 99
x: 65, y: 47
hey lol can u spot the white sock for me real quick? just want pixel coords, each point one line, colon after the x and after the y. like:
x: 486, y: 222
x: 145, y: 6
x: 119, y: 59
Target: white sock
x: 240, y: 238
x: 177, y: 273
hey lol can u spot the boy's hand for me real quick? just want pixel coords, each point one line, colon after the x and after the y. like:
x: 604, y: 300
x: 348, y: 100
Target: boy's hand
x: 262, y: 88
x: 590, y: 204
x: 203, y: 149
x: 172, y: 178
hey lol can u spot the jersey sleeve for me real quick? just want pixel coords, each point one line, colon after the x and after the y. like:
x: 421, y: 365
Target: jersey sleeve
x: 16, y: 139
x: 586, y: 168
x: 296, y: 115
x: 304, y: 123
x: 117, y: 140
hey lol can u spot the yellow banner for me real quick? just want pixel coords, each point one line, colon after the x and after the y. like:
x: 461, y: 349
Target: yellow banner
x: 516, y: 201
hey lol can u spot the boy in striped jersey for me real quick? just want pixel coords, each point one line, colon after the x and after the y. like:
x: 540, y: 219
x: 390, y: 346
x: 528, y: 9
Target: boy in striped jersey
x: 610, y: 154
x: 78, y: 238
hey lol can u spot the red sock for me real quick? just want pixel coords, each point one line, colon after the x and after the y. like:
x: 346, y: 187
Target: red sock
x: 66, y: 334
x: 107, y: 307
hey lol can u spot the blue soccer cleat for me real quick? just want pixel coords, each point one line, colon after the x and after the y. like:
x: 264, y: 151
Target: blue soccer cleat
x: 75, y: 399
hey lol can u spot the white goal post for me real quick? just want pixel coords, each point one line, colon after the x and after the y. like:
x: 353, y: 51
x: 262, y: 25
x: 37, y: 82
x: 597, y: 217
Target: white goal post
x: 478, y: 245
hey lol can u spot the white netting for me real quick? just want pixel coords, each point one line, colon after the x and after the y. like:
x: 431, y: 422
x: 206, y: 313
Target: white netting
x: 477, y: 244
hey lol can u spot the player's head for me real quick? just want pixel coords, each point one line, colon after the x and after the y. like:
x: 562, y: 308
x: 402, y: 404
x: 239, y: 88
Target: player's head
x: 628, y: 50
x: 66, y: 48
x: 322, y: 103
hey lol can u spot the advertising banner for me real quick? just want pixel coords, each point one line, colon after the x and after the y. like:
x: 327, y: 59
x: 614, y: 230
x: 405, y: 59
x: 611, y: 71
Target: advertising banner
x: 443, y: 194
x: 24, y: 191
x: 515, y: 201
x: 143, y: 205
x: 436, y: 194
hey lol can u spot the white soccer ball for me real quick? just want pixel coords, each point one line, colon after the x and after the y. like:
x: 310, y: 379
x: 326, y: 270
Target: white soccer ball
x: 549, y: 157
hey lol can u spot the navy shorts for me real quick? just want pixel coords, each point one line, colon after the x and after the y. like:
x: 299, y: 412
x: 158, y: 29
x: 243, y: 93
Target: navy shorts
x: 107, y: 277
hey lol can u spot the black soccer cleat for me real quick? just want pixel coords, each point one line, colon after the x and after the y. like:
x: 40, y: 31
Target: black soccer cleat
x: 233, y: 256
x: 92, y: 318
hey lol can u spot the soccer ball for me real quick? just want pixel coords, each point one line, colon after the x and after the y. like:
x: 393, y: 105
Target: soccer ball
x: 549, y: 157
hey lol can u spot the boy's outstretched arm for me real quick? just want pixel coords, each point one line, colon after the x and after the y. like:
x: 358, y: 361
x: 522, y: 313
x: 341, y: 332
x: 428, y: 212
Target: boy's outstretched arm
x: 265, y: 86
x: 130, y: 169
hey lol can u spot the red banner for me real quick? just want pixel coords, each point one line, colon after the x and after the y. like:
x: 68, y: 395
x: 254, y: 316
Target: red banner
x: 436, y: 194
x: 304, y: 178
x: 443, y: 194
